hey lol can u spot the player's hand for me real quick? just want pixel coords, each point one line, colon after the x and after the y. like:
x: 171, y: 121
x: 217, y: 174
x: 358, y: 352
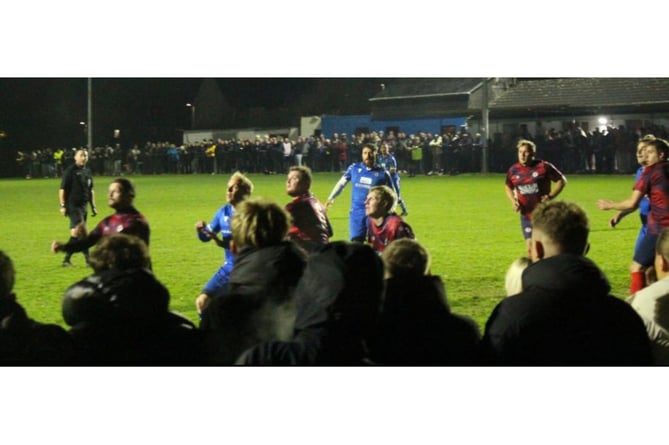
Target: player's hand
x: 604, y: 204
x: 63, y: 211
x: 80, y: 230
x: 55, y: 246
x: 516, y: 205
x: 94, y: 211
x: 201, y: 302
x: 199, y: 226
x: 614, y: 221
x: 329, y: 203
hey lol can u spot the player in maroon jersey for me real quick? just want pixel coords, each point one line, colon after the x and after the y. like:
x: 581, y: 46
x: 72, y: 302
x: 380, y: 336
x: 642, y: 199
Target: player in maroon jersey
x: 310, y: 227
x: 653, y: 183
x: 126, y: 219
x: 384, y: 225
x: 528, y: 182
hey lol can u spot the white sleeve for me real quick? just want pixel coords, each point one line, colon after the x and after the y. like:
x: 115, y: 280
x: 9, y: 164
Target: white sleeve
x: 339, y: 186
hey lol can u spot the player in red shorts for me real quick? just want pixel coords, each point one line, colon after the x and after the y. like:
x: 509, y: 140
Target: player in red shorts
x: 654, y: 183
x: 384, y: 225
x: 528, y: 182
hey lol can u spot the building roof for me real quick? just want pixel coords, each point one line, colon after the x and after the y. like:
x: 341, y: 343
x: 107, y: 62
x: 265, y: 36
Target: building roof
x: 615, y: 94
x: 414, y: 88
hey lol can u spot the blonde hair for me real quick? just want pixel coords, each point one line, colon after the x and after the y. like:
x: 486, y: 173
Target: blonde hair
x: 387, y: 197
x: 244, y: 182
x: 405, y: 257
x: 259, y: 222
x: 513, y: 282
x: 529, y: 144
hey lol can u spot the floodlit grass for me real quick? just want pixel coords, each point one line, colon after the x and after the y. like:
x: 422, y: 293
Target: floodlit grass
x: 465, y: 222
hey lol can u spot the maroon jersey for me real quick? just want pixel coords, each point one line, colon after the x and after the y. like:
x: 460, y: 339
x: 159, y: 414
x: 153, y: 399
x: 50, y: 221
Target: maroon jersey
x: 311, y: 226
x: 392, y: 228
x: 531, y: 182
x: 655, y: 184
x: 127, y: 221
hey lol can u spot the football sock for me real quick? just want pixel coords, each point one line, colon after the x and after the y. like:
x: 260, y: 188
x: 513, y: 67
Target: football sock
x: 638, y: 282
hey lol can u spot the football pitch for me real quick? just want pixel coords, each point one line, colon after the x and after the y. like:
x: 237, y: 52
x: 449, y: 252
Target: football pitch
x: 465, y: 222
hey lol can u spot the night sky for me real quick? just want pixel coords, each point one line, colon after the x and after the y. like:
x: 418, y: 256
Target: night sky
x: 46, y: 112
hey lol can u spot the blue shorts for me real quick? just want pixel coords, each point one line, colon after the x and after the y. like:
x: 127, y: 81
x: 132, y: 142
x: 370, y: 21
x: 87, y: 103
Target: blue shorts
x: 526, y: 226
x: 645, y: 250
x: 357, y: 225
x: 218, y: 282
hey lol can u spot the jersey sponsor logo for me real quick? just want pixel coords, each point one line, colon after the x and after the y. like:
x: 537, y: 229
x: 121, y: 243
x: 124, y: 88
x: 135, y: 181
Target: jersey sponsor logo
x: 528, y: 189
x: 535, y: 174
x: 366, y: 180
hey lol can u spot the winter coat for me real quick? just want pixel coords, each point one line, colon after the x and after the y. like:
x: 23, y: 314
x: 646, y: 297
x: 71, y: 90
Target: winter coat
x: 565, y: 316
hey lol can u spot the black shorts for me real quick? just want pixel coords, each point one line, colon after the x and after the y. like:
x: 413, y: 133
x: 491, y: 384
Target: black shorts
x: 77, y: 215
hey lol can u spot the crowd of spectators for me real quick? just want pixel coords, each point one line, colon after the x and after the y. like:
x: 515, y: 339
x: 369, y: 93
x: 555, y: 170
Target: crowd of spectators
x: 343, y: 304
x: 457, y: 150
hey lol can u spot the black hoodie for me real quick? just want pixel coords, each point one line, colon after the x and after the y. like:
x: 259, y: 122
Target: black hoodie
x: 565, y: 316
x: 338, y: 301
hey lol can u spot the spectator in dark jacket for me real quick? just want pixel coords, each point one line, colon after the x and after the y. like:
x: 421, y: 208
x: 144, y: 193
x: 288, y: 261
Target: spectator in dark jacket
x: 23, y: 341
x: 120, y: 316
x: 337, y: 301
x: 565, y: 314
x: 257, y: 303
x: 417, y: 326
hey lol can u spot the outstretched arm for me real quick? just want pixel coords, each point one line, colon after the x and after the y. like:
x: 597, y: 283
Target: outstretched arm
x: 338, y: 188
x: 629, y: 204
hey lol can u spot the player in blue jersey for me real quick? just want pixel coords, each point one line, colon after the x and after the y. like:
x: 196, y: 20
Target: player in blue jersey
x: 387, y: 160
x: 364, y: 175
x: 239, y: 188
x: 644, y: 204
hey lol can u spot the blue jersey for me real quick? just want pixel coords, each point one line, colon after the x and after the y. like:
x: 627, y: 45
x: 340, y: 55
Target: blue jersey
x: 387, y: 161
x: 644, y: 204
x: 363, y: 178
x: 221, y: 223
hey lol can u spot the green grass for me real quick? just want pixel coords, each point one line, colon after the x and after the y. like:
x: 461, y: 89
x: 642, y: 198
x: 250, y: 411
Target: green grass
x: 465, y: 222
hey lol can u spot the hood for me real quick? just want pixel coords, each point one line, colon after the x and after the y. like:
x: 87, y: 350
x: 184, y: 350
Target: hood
x: 273, y: 269
x: 340, y: 292
x: 116, y: 295
x: 566, y: 273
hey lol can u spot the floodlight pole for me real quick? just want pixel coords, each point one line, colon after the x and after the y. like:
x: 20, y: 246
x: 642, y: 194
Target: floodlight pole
x: 484, y: 127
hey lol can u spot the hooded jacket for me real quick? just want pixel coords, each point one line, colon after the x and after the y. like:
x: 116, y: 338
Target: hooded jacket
x: 121, y: 317
x: 256, y: 305
x: 417, y: 327
x: 337, y: 302
x: 565, y: 316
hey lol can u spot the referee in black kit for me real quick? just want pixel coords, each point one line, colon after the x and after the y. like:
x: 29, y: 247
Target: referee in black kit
x: 76, y: 192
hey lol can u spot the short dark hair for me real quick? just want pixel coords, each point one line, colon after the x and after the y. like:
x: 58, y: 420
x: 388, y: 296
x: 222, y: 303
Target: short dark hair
x: 565, y: 223
x: 120, y: 251
x: 660, y: 145
x: 305, y: 174
x: 127, y: 188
